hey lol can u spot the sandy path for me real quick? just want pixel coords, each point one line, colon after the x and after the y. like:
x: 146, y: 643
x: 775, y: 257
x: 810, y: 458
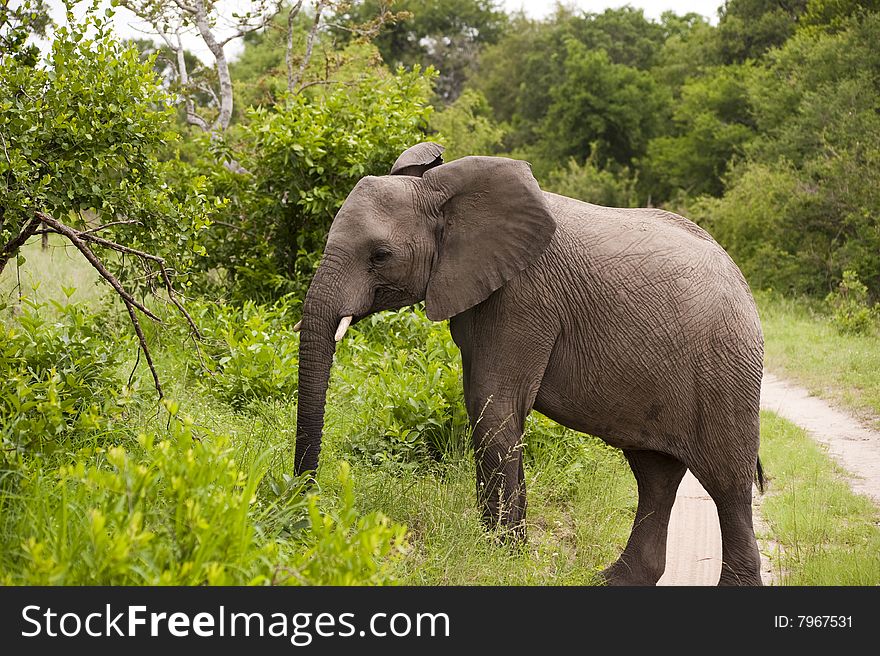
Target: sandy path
x: 854, y: 447
x: 693, y: 547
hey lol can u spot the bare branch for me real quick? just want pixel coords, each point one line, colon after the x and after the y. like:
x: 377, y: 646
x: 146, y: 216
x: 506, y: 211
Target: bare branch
x: 79, y: 239
x: 188, y: 8
x: 172, y: 294
x: 291, y: 17
x: 11, y: 247
x: 74, y: 237
x: 310, y: 42
x: 173, y: 48
x: 143, y: 342
x: 204, y: 86
x: 247, y: 28
x: 108, y: 225
x: 192, y: 117
x: 204, y: 27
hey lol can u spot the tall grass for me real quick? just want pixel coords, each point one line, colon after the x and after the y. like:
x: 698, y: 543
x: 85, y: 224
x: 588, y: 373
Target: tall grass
x: 201, y: 490
x: 802, y: 344
x: 827, y: 534
x: 57, y: 273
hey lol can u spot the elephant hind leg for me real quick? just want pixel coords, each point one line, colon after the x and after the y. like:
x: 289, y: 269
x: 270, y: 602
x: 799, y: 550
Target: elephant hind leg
x: 731, y: 489
x: 644, y: 558
x: 740, y: 559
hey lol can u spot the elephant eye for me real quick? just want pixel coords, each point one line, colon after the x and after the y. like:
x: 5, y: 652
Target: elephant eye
x: 380, y: 256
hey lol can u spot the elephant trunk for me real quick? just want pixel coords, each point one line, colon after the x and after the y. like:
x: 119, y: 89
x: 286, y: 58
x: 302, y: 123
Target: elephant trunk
x: 316, y: 348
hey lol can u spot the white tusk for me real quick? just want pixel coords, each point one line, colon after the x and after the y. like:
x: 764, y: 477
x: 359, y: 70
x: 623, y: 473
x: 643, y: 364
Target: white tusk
x: 297, y: 326
x: 344, y: 323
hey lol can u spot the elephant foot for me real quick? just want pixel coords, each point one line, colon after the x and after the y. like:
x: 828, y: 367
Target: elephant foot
x: 508, y: 534
x: 748, y: 578
x: 624, y: 573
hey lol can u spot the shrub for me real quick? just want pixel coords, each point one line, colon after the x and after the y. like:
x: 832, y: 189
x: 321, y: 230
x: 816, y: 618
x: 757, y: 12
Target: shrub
x: 252, y: 351
x: 306, y: 153
x: 591, y: 184
x: 852, y: 313
x: 402, y: 373
x: 61, y: 379
x: 181, y: 509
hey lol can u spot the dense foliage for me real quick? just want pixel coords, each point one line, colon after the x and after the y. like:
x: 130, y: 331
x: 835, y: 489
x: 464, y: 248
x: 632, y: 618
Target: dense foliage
x: 303, y: 155
x: 86, y: 139
x: 763, y: 129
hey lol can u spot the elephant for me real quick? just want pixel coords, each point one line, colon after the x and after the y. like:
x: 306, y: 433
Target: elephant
x: 631, y: 325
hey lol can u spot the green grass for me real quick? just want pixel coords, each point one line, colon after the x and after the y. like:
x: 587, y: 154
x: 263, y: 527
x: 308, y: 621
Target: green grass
x: 46, y: 274
x: 803, y: 345
x: 576, y: 527
x: 582, y: 495
x: 827, y: 534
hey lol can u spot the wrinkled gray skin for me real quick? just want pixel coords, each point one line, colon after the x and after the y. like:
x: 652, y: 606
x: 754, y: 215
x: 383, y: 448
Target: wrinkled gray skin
x: 629, y: 324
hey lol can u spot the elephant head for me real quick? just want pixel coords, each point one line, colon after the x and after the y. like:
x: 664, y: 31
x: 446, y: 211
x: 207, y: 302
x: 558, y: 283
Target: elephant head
x: 448, y: 234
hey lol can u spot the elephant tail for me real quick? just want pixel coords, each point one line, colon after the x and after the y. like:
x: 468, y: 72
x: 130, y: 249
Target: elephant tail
x: 759, y: 477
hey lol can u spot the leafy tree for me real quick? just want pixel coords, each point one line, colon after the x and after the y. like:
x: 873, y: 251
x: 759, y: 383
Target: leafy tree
x: 466, y: 127
x: 305, y: 154
x: 445, y: 34
x: 803, y: 207
x: 712, y: 123
x: 516, y: 75
x: 748, y: 28
x: 17, y: 24
x: 589, y: 183
x: 528, y: 72
x: 831, y: 15
x: 625, y: 34
x: 172, y: 20
x: 690, y: 47
x: 81, y: 142
x: 616, y: 107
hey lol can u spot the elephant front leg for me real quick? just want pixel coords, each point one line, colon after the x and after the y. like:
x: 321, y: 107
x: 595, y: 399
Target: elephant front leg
x: 504, y: 353
x: 501, y: 486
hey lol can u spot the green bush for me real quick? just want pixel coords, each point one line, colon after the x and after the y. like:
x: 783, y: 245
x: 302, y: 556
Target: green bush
x: 589, y: 183
x: 181, y: 509
x: 401, y: 373
x: 305, y: 154
x: 252, y: 351
x: 86, y: 139
x: 60, y: 377
x: 851, y: 311
x: 466, y: 127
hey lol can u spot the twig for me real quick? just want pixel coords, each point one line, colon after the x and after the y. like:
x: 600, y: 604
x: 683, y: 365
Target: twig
x: 173, y: 296
x: 73, y: 236
x: 137, y: 361
x: 108, y: 225
x: 344, y: 83
x: 80, y: 240
x: 310, y: 42
x: 232, y: 226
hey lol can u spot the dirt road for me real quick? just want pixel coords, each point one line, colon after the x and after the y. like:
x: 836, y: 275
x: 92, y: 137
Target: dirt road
x: 694, y: 543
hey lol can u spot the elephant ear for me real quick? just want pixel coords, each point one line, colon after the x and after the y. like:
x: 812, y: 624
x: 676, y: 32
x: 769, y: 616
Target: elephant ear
x: 494, y: 223
x: 418, y: 159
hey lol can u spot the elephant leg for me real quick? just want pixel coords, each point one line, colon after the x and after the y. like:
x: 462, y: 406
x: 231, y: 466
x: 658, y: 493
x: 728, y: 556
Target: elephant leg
x: 741, y: 560
x: 501, y: 486
x: 644, y: 558
x: 504, y: 355
x: 735, y: 444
